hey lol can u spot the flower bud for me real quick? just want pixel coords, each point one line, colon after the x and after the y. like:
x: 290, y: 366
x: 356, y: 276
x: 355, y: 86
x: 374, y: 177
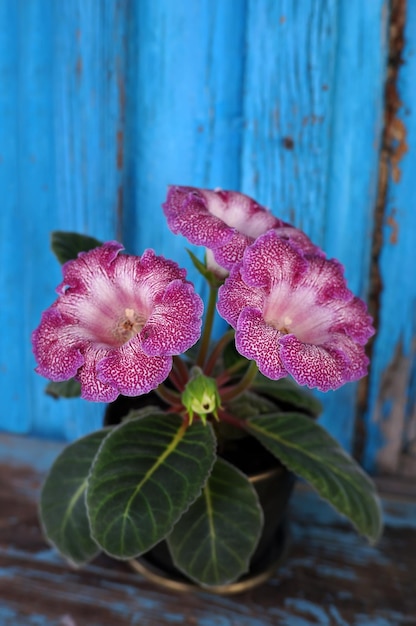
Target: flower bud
x: 201, y: 396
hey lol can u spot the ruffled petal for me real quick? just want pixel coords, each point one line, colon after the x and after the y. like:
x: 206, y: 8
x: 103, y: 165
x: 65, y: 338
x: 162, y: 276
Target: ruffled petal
x: 326, y: 279
x: 270, y: 260
x: 352, y: 318
x: 299, y: 239
x: 323, y: 367
x: 234, y: 295
x: 187, y: 213
x: 175, y: 323
x: 224, y: 221
x: 92, y: 388
x: 260, y: 343
x: 56, y: 347
x: 80, y: 273
x: 131, y: 371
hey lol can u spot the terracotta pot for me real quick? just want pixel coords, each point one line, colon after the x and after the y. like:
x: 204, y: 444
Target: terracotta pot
x: 274, y: 485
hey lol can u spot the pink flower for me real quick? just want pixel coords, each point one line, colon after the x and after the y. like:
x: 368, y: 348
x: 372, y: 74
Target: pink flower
x: 294, y: 314
x: 117, y: 323
x: 225, y: 222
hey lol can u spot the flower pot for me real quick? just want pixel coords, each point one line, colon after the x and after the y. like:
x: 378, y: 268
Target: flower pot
x: 274, y: 485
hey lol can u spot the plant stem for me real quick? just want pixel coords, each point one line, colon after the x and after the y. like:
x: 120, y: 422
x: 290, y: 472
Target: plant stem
x: 209, y: 320
x: 230, y: 419
x: 219, y: 347
x: 168, y: 395
x: 233, y: 391
x: 181, y: 369
x: 225, y: 376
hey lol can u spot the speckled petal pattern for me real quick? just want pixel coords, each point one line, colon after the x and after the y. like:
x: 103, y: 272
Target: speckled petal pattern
x: 294, y: 314
x: 131, y: 371
x: 257, y: 341
x: 117, y: 322
x: 226, y: 222
x: 56, y: 350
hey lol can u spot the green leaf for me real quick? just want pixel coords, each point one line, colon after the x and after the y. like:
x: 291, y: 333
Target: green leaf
x: 287, y: 392
x: 66, y: 246
x: 146, y: 474
x: 65, y: 389
x: 249, y: 404
x: 214, y: 540
x: 62, y: 503
x: 309, y: 451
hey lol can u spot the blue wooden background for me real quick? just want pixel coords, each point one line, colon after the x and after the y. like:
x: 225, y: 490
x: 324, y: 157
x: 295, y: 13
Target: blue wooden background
x: 103, y: 103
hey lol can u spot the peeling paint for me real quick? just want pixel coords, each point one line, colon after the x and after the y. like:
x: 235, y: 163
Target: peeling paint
x: 390, y: 410
x: 392, y: 150
x: 394, y: 226
x: 120, y: 149
x: 394, y: 143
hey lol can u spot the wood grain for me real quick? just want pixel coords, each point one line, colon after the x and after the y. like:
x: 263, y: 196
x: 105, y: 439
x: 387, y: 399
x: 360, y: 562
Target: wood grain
x: 331, y: 577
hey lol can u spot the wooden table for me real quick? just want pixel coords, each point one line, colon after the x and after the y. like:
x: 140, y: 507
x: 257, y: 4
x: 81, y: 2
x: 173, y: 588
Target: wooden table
x: 331, y: 577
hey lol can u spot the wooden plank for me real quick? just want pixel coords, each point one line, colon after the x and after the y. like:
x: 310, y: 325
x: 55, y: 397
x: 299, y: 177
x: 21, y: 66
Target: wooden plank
x: 328, y: 578
x: 61, y: 109
x: 184, y: 110
x: 391, y: 419
x: 95, y: 134
x: 313, y: 121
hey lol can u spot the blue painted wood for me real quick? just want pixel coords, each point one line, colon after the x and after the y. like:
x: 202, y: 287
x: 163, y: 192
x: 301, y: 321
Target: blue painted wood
x: 61, y: 104
x: 327, y: 578
x: 184, y: 110
x: 106, y: 103
x: 313, y: 121
x: 391, y: 419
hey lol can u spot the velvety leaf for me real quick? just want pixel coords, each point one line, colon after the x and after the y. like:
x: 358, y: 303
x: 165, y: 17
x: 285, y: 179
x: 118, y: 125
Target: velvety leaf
x: 309, y: 451
x: 213, y: 541
x: 146, y: 474
x: 249, y: 404
x: 62, y: 503
x: 288, y: 392
x: 65, y: 389
x: 66, y: 246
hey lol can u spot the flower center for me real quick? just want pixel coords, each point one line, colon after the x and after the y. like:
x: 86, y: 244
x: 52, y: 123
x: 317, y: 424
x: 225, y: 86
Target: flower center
x: 285, y: 325
x: 128, y: 326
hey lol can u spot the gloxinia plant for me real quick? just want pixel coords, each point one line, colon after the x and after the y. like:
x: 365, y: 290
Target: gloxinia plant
x: 126, y: 325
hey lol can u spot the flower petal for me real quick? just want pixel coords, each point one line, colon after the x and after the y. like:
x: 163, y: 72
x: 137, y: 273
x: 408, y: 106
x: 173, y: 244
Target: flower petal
x: 299, y: 239
x: 234, y: 295
x: 92, y: 388
x: 131, y: 371
x: 257, y: 341
x: 56, y: 348
x: 175, y: 323
x: 353, y: 319
x: 224, y: 221
x: 324, y: 367
x: 270, y: 260
x: 80, y: 272
x: 326, y: 279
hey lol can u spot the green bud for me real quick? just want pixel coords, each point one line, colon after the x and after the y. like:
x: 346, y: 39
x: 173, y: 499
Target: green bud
x: 201, y: 396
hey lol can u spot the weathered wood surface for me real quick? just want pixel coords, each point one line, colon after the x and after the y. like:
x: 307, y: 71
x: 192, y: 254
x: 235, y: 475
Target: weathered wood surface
x: 331, y: 577
x: 105, y: 103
